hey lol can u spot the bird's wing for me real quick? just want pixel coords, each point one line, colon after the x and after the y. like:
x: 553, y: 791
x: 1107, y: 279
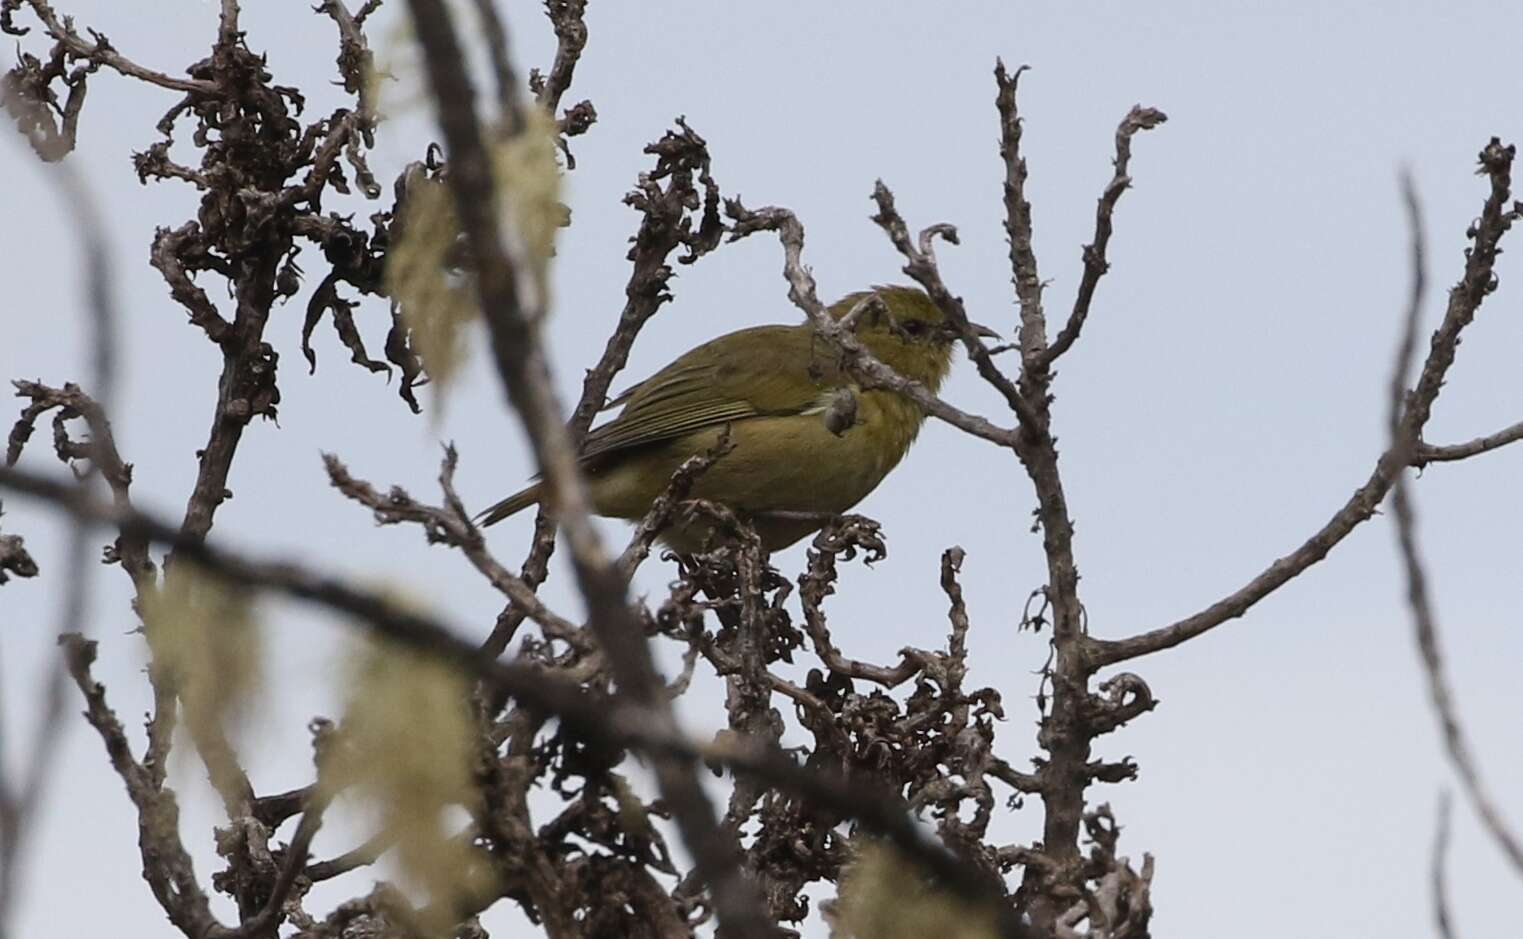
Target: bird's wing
x: 766, y: 370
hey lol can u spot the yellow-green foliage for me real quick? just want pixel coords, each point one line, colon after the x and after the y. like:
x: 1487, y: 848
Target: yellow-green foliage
x: 884, y: 896
x: 406, y: 744
x: 202, y: 633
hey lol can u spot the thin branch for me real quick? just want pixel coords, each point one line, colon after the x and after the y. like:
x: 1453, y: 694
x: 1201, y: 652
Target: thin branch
x: 100, y: 51
x: 1465, y: 298
x: 297, y: 852
x: 14, y: 559
x: 355, y: 60
x: 525, y: 374
x: 844, y: 537
x: 75, y: 608
x: 448, y: 525
x: 862, y: 363
x: 227, y: 23
x: 168, y: 245
x: 587, y: 715
x: 920, y: 264
x: 568, y: 19
x: 1023, y: 263
x: 667, y: 199
x: 664, y: 509
x: 496, y: 36
x: 1437, y: 867
x: 1425, y: 622
x: 1095, y: 263
x: 353, y: 859
x: 172, y: 878
x: 1070, y: 723
x: 1425, y: 453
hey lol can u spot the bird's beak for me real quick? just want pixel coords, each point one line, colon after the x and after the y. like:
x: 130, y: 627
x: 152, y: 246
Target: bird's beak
x: 983, y: 332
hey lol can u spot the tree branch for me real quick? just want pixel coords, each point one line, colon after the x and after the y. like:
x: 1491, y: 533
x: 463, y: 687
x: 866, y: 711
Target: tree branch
x: 1095, y: 263
x: 589, y: 716
x: 526, y: 378
x: 100, y: 51
x: 682, y: 162
x: 862, y: 363
x: 1465, y: 298
x: 1425, y: 453
x: 1023, y: 263
x: 449, y: 525
x: 1425, y: 622
x: 1441, y: 918
x: 172, y: 876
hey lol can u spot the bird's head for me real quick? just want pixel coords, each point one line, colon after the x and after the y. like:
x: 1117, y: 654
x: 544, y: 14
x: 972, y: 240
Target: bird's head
x: 907, y: 331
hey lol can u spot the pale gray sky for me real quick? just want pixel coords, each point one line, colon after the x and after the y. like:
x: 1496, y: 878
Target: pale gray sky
x: 1226, y: 397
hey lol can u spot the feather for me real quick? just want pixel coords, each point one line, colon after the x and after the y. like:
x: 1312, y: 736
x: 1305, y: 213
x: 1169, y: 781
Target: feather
x: 765, y: 371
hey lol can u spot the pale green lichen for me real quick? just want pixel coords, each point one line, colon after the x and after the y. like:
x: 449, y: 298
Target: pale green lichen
x: 204, y: 637
x: 408, y: 748
x: 885, y: 896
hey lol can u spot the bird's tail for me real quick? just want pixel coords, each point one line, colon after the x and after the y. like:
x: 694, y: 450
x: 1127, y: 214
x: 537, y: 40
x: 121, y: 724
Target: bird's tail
x: 512, y: 505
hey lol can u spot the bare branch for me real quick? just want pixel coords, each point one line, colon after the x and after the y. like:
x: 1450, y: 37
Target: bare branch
x: 297, y: 851
x: 920, y: 264
x: 362, y: 856
x: 166, y: 257
x: 1023, y: 263
x: 99, y: 452
x: 526, y: 377
x: 844, y: 538
x: 1425, y: 453
x: 872, y: 372
x: 568, y: 19
x: 172, y: 876
x: 667, y: 198
x: 26, y: 92
x: 1425, y: 622
x: 1095, y: 263
x: 1441, y: 917
x: 99, y: 52
x: 663, y: 511
x: 75, y: 607
x: 1465, y: 298
x: 355, y: 60
x: 589, y: 716
x: 502, y: 67
x: 448, y: 525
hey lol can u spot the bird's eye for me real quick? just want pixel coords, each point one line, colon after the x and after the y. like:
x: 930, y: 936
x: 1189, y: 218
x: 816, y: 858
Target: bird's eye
x: 916, y: 328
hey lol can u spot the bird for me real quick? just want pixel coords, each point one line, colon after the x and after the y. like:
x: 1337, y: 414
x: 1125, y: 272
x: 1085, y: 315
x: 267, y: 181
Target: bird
x: 806, y: 442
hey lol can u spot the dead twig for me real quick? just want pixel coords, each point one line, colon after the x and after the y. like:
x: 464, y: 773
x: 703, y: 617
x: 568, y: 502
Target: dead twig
x: 1476, y: 283
x: 1096, y: 265
x: 1425, y: 622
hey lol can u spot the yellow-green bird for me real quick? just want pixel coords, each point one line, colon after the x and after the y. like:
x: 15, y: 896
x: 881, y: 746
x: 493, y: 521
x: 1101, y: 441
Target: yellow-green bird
x: 808, y: 443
